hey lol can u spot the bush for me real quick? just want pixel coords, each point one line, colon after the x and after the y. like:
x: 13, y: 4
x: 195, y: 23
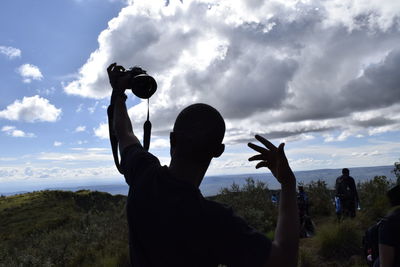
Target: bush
x: 307, y: 258
x: 396, y: 171
x: 339, y: 241
x: 57, y: 228
x: 320, y: 198
x: 372, y: 195
x: 252, y: 202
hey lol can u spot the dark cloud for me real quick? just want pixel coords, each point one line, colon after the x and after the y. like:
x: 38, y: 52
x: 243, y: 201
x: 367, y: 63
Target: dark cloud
x: 375, y: 122
x: 378, y: 87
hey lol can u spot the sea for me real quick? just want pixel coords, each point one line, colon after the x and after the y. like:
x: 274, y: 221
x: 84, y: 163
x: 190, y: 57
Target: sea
x: 212, y: 185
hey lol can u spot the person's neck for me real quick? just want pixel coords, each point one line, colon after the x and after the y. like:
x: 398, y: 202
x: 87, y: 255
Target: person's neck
x: 188, y: 171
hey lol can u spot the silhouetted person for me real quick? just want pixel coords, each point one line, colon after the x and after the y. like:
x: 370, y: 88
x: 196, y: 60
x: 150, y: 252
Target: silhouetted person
x: 171, y: 223
x: 346, y: 191
x: 302, y: 201
x: 306, y: 224
x: 389, y: 232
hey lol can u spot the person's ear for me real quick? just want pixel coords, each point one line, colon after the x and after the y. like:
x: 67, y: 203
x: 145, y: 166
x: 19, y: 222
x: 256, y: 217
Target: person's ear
x: 218, y: 152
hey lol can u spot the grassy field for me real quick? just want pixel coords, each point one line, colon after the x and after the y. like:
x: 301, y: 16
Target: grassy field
x: 61, y: 228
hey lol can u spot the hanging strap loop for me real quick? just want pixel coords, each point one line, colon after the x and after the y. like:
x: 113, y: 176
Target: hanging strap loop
x: 114, y: 139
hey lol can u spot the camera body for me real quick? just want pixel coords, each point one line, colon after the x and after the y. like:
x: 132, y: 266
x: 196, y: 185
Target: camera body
x: 137, y: 79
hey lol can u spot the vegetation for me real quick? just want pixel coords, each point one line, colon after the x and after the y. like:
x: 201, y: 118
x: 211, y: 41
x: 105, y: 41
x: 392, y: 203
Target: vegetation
x: 60, y: 228
x: 396, y: 171
x: 252, y: 202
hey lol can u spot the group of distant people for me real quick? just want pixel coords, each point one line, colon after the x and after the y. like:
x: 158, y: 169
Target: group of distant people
x: 172, y: 224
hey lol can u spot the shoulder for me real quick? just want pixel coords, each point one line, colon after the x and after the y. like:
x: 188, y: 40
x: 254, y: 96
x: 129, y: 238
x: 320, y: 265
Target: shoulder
x: 390, y: 226
x: 136, y: 161
x: 136, y: 152
x: 214, y: 208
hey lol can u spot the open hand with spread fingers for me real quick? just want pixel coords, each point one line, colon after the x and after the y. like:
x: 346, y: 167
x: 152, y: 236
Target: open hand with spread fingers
x: 274, y: 159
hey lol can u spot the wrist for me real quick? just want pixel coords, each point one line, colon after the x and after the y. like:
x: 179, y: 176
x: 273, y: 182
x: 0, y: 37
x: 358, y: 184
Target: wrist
x: 288, y: 181
x: 118, y: 95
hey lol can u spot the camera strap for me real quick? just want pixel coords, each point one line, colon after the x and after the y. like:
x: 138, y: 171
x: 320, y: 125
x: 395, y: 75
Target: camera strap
x: 147, y: 128
x: 114, y: 139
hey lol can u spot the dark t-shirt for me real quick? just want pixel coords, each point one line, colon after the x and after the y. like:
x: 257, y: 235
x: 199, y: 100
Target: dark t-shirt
x: 389, y: 233
x: 346, y: 188
x: 172, y: 224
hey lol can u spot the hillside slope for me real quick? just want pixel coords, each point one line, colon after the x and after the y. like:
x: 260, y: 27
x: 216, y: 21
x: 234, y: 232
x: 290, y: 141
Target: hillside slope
x: 63, y: 228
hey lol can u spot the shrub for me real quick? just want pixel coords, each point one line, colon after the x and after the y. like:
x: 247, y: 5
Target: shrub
x: 339, y: 241
x: 307, y: 258
x: 252, y: 201
x: 320, y: 198
x: 396, y: 171
x: 372, y: 195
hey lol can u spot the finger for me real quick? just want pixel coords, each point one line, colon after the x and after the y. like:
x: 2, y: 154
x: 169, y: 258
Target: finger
x: 262, y: 164
x: 281, y: 147
x: 120, y: 68
x: 257, y: 148
x: 111, y: 66
x: 265, y: 142
x: 257, y: 157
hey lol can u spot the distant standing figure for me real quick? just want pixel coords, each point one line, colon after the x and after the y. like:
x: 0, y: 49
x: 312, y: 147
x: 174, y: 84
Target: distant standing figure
x: 389, y: 232
x: 307, y: 228
x: 302, y: 202
x: 346, y: 192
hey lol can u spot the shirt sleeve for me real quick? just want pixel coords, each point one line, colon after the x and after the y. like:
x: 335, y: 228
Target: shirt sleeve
x: 239, y: 243
x: 135, y: 161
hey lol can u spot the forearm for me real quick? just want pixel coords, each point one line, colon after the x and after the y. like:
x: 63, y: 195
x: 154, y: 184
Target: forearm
x: 287, y: 229
x: 121, y: 121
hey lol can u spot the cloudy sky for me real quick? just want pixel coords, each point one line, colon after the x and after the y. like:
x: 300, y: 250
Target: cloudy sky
x: 322, y: 76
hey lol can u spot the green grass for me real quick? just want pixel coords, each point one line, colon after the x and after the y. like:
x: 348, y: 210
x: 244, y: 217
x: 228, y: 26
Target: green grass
x: 62, y: 228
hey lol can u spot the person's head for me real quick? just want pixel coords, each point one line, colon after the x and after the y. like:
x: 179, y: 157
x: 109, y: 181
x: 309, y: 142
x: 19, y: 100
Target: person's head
x: 394, y: 195
x: 198, y: 133
x: 301, y: 188
x: 345, y: 171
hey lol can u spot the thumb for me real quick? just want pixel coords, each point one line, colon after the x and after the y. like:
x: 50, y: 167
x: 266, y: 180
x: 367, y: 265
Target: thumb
x: 280, y: 149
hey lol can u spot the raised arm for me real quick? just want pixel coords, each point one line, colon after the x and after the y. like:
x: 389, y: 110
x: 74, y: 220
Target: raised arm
x: 284, y: 250
x: 121, y: 122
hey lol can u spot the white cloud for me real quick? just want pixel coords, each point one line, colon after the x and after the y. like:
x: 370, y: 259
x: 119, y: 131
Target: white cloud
x: 80, y: 128
x: 101, y: 131
x: 56, y: 173
x: 46, y: 91
x: 57, y: 143
x: 31, y: 109
x: 14, y: 132
x: 10, y: 52
x: 92, y: 109
x: 30, y: 72
x: 159, y: 143
x: 286, y: 69
x: 79, y: 108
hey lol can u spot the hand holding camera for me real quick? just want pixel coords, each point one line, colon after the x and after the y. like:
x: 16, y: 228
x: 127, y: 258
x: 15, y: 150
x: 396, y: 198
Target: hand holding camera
x: 143, y: 86
x: 136, y: 79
